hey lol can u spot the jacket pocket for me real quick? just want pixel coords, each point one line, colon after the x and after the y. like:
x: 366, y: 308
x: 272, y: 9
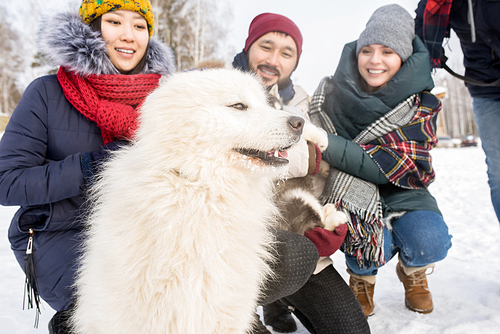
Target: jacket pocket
x: 34, y: 217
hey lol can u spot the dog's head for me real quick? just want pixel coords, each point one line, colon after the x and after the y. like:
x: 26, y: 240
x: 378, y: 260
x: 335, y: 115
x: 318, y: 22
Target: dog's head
x: 217, y: 116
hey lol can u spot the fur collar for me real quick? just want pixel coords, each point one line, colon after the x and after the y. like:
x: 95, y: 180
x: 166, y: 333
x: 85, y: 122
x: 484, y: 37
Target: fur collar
x: 68, y: 42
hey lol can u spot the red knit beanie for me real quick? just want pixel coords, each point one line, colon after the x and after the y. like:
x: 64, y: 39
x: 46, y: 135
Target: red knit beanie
x: 268, y: 22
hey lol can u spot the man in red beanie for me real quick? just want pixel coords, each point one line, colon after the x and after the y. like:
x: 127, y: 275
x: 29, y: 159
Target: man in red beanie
x: 272, y: 50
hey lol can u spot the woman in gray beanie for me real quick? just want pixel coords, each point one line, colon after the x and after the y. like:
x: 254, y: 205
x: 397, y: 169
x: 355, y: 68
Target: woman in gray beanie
x: 381, y: 120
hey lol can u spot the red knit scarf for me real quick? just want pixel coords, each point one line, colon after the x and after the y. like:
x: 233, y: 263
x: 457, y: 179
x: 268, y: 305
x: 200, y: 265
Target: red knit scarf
x: 110, y: 100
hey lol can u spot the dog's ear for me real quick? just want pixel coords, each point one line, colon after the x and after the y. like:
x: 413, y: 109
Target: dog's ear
x: 274, y: 98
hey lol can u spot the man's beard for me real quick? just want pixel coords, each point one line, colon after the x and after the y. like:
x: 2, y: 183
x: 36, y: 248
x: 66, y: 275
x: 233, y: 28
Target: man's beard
x: 282, y: 83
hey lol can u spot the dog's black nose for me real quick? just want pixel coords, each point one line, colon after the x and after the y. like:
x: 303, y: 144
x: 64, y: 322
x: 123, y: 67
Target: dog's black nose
x: 297, y: 124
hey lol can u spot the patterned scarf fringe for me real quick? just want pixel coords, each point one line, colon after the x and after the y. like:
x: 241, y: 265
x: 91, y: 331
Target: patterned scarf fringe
x: 365, y: 241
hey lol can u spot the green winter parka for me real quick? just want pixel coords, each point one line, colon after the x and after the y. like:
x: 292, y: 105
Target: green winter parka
x: 351, y: 110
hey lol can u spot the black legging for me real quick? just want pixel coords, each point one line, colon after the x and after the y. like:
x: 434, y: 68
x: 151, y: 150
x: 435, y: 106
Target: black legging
x: 324, y: 303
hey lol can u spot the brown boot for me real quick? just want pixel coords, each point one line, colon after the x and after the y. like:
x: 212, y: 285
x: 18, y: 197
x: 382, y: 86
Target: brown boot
x: 363, y: 288
x: 418, y: 298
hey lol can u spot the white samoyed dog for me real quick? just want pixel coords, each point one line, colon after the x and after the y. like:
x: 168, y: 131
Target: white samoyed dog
x: 179, y: 236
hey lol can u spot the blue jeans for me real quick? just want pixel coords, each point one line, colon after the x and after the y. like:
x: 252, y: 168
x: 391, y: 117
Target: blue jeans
x: 420, y: 237
x: 487, y: 115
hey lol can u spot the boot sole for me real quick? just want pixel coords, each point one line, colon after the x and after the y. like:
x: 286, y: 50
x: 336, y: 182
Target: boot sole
x: 418, y: 310
x: 279, y: 330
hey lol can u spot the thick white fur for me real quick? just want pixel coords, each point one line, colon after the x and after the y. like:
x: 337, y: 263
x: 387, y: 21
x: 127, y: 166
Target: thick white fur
x: 179, y: 238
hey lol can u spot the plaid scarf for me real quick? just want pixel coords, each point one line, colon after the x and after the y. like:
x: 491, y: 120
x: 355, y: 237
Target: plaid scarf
x: 436, y: 28
x: 110, y: 100
x: 399, y: 142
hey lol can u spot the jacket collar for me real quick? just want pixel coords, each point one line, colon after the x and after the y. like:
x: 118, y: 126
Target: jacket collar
x: 66, y: 41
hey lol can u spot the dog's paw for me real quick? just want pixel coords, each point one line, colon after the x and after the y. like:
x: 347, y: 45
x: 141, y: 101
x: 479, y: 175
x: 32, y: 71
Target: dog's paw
x: 333, y: 217
x: 316, y: 135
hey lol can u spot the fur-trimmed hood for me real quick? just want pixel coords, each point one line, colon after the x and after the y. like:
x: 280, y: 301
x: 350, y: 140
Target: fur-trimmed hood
x: 66, y: 41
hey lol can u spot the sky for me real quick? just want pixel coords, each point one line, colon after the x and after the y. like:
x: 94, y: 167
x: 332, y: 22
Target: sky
x: 465, y: 286
x: 326, y: 26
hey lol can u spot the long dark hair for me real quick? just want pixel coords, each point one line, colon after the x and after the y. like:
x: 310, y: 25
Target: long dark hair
x: 139, y: 68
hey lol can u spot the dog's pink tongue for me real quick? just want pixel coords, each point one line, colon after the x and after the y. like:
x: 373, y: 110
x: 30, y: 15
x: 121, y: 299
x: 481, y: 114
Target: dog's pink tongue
x: 283, y: 154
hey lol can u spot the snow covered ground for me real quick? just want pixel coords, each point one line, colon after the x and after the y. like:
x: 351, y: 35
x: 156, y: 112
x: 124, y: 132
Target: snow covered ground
x: 465, y: 286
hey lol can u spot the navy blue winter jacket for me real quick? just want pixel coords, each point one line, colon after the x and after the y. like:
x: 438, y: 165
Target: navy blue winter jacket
x: 40, y: 171
x: 482, y: 58
x: 43, y: 141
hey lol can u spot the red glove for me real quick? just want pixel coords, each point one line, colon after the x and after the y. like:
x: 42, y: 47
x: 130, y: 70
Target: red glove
x: 327, y: 242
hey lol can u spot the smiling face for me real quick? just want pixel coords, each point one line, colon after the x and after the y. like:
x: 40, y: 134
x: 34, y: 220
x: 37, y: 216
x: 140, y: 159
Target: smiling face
x: 377, y: 64
x: 127, y: 37
x: 273, y: 58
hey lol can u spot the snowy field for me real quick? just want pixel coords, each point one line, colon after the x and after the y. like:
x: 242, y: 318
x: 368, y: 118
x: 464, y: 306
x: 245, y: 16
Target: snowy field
x: 465, y: 286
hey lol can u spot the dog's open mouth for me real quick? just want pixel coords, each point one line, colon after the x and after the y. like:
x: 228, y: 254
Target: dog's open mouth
x: 277, y: 157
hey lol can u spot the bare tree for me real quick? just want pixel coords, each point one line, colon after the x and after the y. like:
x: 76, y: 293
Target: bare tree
x: 193, y: 28
x: 197, y: 32
x: 457, y: 113
x: 10, y: 66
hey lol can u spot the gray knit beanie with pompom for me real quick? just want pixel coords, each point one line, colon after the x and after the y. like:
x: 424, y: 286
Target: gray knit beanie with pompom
x: 391, y: 26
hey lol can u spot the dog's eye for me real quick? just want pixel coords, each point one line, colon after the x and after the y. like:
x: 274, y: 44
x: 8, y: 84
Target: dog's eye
x: 239, y: 106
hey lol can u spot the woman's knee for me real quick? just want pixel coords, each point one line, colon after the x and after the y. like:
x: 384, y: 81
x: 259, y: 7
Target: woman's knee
x: 422, y: 237
x: 298, y: 254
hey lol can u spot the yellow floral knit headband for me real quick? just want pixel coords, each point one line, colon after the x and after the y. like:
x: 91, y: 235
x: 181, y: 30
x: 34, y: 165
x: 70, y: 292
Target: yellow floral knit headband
x: 92, y: 9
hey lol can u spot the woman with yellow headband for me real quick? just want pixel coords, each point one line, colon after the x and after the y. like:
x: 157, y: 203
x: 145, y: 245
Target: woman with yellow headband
x: 64, y: 125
